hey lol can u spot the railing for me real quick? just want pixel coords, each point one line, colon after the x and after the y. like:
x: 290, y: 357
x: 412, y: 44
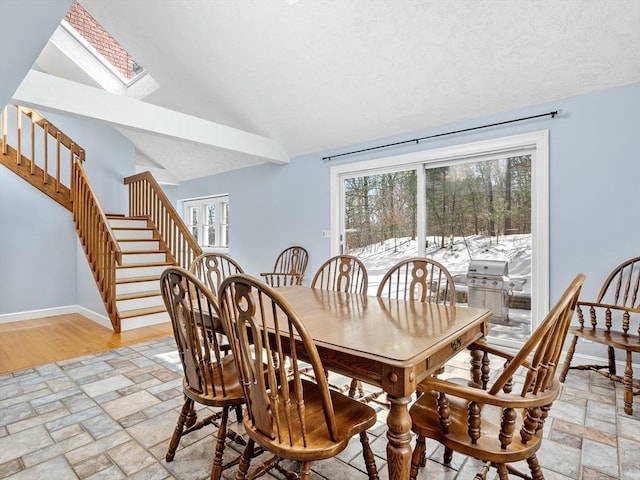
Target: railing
x: 146, y: 199
x: 42, y: 164
x: 99, y: 244
x: 66, y: 183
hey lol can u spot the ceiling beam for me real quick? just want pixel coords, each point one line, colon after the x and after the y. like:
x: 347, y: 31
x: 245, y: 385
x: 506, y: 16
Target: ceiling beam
x: 40, y: 90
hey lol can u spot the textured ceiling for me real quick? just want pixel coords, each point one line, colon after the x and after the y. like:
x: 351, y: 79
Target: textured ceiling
x: 317, y: 75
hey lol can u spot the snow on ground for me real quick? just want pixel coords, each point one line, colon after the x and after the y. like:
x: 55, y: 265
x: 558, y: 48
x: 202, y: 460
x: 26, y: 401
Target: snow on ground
x: 455, y: 256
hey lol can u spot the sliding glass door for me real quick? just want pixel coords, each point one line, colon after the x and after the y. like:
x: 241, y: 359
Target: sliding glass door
x: 462, y: 211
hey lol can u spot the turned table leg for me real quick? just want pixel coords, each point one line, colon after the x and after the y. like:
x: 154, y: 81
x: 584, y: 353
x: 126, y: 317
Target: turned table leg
x: 399, y: 438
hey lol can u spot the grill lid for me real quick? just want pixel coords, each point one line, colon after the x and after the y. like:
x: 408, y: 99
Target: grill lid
x: 488, y: 268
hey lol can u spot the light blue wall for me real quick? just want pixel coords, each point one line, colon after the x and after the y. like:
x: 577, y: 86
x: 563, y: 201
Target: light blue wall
x: 37, y: 248
x: 40, y: 256
x: 27, y: 26
x: 594, y: 188
x: 594, y: 191
x: 271, y: 207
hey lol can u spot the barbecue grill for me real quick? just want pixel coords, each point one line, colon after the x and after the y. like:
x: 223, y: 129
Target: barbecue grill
x: 488, y: 282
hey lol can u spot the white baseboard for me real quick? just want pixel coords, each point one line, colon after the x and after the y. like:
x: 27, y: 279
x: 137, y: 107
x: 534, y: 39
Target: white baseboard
x: 102, y: 320
x: 50, y: 312
x: 96, y: 317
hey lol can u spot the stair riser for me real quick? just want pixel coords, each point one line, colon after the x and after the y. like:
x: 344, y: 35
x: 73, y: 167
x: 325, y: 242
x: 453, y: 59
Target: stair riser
x: 144, y: 320
x: 133, y: 234
x: 133, y: 258
x: 137, y: 246
x: 136, y: 287
x: 139, y: 272
x: 135, y: 303
x: 126, y: 223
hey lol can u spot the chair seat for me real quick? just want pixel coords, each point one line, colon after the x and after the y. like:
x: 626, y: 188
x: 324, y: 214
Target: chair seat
x: 352, y: 417
x: 613, y: 338
x: 426, y: 423
x: 230, y: 395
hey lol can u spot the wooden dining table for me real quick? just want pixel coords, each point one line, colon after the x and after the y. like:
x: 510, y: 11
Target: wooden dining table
x: 393, y: 344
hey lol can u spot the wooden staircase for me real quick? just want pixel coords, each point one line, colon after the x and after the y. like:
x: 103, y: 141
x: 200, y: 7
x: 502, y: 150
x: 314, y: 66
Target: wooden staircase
x: 126, y: 254
x: 144, y: 257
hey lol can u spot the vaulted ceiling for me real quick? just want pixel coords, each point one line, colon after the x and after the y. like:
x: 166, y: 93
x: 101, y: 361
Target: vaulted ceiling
x: 313, y: 75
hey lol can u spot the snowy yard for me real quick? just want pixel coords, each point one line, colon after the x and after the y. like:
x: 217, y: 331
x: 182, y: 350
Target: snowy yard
x: 455, y: 256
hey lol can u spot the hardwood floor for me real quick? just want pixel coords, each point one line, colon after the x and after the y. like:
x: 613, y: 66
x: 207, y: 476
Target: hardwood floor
x: 31, y: 343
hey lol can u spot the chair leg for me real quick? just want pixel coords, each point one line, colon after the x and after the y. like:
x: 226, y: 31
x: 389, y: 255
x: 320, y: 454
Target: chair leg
x: 352, y: 388
x: 503, y: 473
x: 305, y: 471
x: 448, y: 456
x: 245, y: 460
x: 369, y: 459
x: 612, y: 360
x: 569, y: 357
x: 360, y: 389
x: 418, y: 458
x: 216, y: 469
x: 534, y: 466
x: 187, y: 409
x: 628, y: 385
x: 239, y: 413
x: 482, y: 474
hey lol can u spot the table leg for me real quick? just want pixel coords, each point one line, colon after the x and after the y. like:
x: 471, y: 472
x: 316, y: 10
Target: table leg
x: 399, y: 438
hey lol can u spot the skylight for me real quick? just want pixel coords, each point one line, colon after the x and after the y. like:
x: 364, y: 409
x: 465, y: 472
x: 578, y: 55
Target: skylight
x: 108, y: 50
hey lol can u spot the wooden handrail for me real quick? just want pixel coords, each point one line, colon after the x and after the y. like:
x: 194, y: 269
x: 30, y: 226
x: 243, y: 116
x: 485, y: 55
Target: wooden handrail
x: 47, y: 178
x: 41, y: 121
x: 98, y: 241
x: 74, y: 193
x: 147, y: 199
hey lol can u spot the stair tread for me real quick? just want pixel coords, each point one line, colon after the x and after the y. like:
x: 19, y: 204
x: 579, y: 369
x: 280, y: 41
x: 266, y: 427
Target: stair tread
x: 134, y: 295
x: 143, y: 252
x: 120, y: 216
x: 151, y: 278
x: 138, y: 240
x: 138, y: 312
x: 132, y: 228
x: 142, y: 265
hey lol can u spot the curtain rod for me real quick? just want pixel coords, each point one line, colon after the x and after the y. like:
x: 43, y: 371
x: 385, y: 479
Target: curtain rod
x: 418, y: 140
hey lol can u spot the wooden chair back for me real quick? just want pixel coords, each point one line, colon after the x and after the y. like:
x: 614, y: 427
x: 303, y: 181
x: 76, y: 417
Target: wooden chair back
x: 210, y: 378
x: 421, y: 279
x: 540, y: 354
x: 289, y: 268
x: 342, y: 273
x: 212, y: 268
x: 621, y: 287
x: 612, y: 320
x: 190, y: 304
x: 252, y: 312
x: 287, y: 415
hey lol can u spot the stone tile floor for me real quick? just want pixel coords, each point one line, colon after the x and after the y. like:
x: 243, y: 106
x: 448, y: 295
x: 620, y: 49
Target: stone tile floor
x: 110, y: 415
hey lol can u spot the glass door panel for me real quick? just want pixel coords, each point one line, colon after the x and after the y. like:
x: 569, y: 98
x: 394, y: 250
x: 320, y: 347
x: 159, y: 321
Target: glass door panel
x: 380, y: 225
x: 481, y: 211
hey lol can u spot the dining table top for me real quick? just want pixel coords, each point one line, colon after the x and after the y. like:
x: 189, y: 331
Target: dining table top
x: 398, y: 332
